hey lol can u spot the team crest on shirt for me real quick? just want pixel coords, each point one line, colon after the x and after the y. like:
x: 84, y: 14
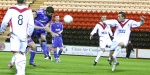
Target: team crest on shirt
x: 104, y: 32
x: 2, y: 46
x: 122, y: 31
x: 45, y: 17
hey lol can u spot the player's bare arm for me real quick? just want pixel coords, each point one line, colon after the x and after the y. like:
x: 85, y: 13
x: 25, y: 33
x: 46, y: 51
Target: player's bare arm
x: 91, y: 37
x: 142, y: 20
x: 60, y: 32
x: 38, y: 27
x: 54, y: 34
x: 47, y: 27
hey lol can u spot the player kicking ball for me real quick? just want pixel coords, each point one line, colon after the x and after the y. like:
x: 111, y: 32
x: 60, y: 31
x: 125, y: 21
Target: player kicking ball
x: 104, y: 38
x: 21, y: 23
x: 57, y: 42
x: 122, y: 33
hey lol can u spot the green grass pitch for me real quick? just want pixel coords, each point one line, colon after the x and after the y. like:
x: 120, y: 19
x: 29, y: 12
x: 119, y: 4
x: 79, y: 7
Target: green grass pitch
x: 77, y: 65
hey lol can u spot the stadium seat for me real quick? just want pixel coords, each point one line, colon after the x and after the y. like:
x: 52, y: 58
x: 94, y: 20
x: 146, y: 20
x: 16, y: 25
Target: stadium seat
x: 0, y: 20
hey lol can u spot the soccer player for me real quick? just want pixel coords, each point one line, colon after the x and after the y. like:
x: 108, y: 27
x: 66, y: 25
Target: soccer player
x: 122, y: 32
x: 42, y: 22
x: 21, y: 26
x: 32, y: 45
x: 57, y: 27
x: 104, y: 38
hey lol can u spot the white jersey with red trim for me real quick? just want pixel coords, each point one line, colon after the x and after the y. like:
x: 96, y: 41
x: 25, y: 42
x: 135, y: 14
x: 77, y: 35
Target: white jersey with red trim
x: 103, y: 31
x: 21, y: 21
x: 123, y: 29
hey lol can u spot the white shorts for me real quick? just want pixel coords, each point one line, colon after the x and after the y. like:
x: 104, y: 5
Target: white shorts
x: 104, y: 41
x: 115, y: 43
x: 17, y: 45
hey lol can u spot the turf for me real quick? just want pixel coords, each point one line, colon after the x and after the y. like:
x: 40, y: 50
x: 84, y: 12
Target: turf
x: 77, y: 65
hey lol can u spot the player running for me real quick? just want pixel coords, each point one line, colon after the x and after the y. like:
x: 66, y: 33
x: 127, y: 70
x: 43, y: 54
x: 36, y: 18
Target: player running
x: 122, y: 32
x: 57, y: 27
x: 42, y: 22
x: 104, y: 38
x: 21, y: 24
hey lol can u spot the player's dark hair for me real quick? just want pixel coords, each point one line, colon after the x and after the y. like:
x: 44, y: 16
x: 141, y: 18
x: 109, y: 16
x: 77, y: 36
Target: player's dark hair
x: 123, y: 14
x: 50, y: 9
x: 33, y: 11
x: 56, y: 15
x: 20, y: 1
x: 103, y: 15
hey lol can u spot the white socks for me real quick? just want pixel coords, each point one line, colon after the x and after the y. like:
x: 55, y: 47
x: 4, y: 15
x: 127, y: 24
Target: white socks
x: 109, y: 58
x: 98, y: 55
x: 12, y: 60
x: 116, y: 52
x: 20, y: 63
x: 49, y: 53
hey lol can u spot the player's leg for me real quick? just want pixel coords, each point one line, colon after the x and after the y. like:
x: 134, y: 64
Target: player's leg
x: 60, y: 45
x: 21, y: 65
x: 54, y: 48
x: 109, y: 43
x: 44, y: 46
x: 40, y: 41
x: 32, y: 51
x: 12, y: 61
x: 14, y: 49
x: 50, y: 50
x: 38, y: 36
x: 102, y: 45
x: 110, y: 57
x: 47, y: 49
x: 59, y: 53
x: 55, y: 53
x: 44, y: 43
x: 116, y: 52
x: 19, y: 57
x: 112, y: 48
x: 99, y: 55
